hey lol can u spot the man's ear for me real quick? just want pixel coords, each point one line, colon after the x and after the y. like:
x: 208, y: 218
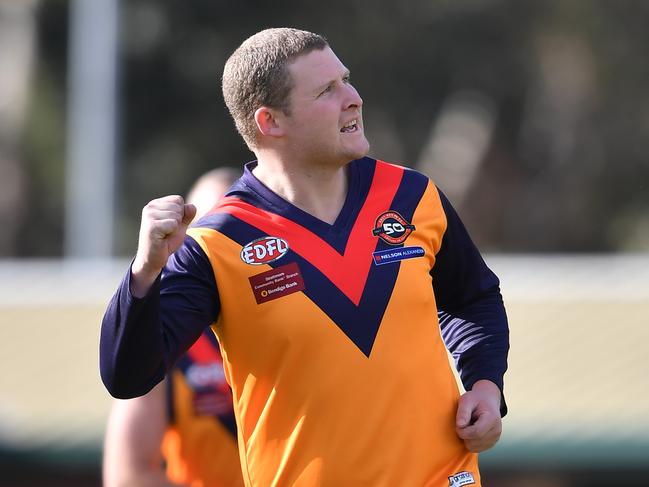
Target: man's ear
x: 268, y: 122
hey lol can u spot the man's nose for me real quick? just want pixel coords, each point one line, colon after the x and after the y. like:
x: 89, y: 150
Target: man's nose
x: 353, y: 98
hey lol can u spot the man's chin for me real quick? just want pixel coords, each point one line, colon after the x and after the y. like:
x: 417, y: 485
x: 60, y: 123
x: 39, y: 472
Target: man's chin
x: 360, y: 151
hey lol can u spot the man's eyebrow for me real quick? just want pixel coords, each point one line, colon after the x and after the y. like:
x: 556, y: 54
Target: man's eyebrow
x: 345, y: 74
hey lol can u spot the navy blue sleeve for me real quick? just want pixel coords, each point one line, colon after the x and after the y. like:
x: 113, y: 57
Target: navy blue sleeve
x: 141, y: 339
x: 471, y: 311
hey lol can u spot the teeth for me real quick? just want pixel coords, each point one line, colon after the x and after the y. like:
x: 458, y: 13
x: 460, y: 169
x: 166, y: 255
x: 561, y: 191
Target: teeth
x: 350, y: 124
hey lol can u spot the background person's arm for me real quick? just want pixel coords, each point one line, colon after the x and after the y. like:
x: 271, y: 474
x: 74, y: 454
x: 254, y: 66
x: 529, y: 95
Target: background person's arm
x: 135, y: 429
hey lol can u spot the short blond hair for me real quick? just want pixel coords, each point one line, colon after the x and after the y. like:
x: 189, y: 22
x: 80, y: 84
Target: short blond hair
x: 256, y: 74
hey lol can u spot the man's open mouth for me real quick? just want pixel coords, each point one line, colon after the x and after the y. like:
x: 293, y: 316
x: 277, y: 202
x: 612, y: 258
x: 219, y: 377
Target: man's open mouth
x: 350, y: 127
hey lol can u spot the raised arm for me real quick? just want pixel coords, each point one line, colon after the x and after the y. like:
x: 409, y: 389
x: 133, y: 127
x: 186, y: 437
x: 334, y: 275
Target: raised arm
x: 157, y: 313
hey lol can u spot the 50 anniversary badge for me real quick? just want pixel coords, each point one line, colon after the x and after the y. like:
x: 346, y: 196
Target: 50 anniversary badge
x: 392, y: 228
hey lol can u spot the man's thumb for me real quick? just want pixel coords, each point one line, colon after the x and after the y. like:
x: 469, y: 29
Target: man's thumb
x: 189, y: 212
x: 463, y: 416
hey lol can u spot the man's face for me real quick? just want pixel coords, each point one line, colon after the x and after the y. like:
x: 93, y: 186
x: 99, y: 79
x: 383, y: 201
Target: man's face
x: 325, y: 126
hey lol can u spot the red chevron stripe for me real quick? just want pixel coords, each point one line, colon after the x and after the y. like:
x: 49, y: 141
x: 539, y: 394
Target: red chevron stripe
x: 203, y: 352
x: 349, y: 271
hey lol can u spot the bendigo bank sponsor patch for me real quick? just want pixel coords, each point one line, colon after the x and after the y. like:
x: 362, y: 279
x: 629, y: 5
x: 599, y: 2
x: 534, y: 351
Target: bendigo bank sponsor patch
x: 276, y: 283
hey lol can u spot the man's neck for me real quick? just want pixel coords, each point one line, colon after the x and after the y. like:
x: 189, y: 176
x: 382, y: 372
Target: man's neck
x: 317, y: 190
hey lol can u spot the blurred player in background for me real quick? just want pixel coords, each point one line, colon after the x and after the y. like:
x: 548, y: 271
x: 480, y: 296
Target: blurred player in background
x: 183, y: 431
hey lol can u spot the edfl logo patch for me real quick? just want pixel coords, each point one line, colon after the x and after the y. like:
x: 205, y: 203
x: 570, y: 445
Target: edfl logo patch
x: 264, y: 250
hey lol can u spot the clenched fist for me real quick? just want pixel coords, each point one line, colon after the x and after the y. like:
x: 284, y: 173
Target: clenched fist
x: 162, y: 231
x: 478, y: 421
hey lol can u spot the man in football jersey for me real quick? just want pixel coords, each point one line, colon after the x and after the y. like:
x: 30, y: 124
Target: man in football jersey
x: 183, y: 431
x: 322, y: 272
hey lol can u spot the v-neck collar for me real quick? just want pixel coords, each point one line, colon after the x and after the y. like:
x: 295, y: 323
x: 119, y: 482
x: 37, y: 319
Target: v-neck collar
x: 275, y: 203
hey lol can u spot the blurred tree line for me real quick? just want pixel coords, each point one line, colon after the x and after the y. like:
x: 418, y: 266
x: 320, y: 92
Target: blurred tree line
x: 531, y: 115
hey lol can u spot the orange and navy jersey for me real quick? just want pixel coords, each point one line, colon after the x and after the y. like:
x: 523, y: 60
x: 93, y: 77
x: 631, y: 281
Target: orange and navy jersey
x: 199, y: 445
x: 329, y: 332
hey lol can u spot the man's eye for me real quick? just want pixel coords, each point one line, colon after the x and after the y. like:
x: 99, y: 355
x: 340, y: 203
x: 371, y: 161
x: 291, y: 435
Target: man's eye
x: 326, y: 90
x: 347, y: 79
